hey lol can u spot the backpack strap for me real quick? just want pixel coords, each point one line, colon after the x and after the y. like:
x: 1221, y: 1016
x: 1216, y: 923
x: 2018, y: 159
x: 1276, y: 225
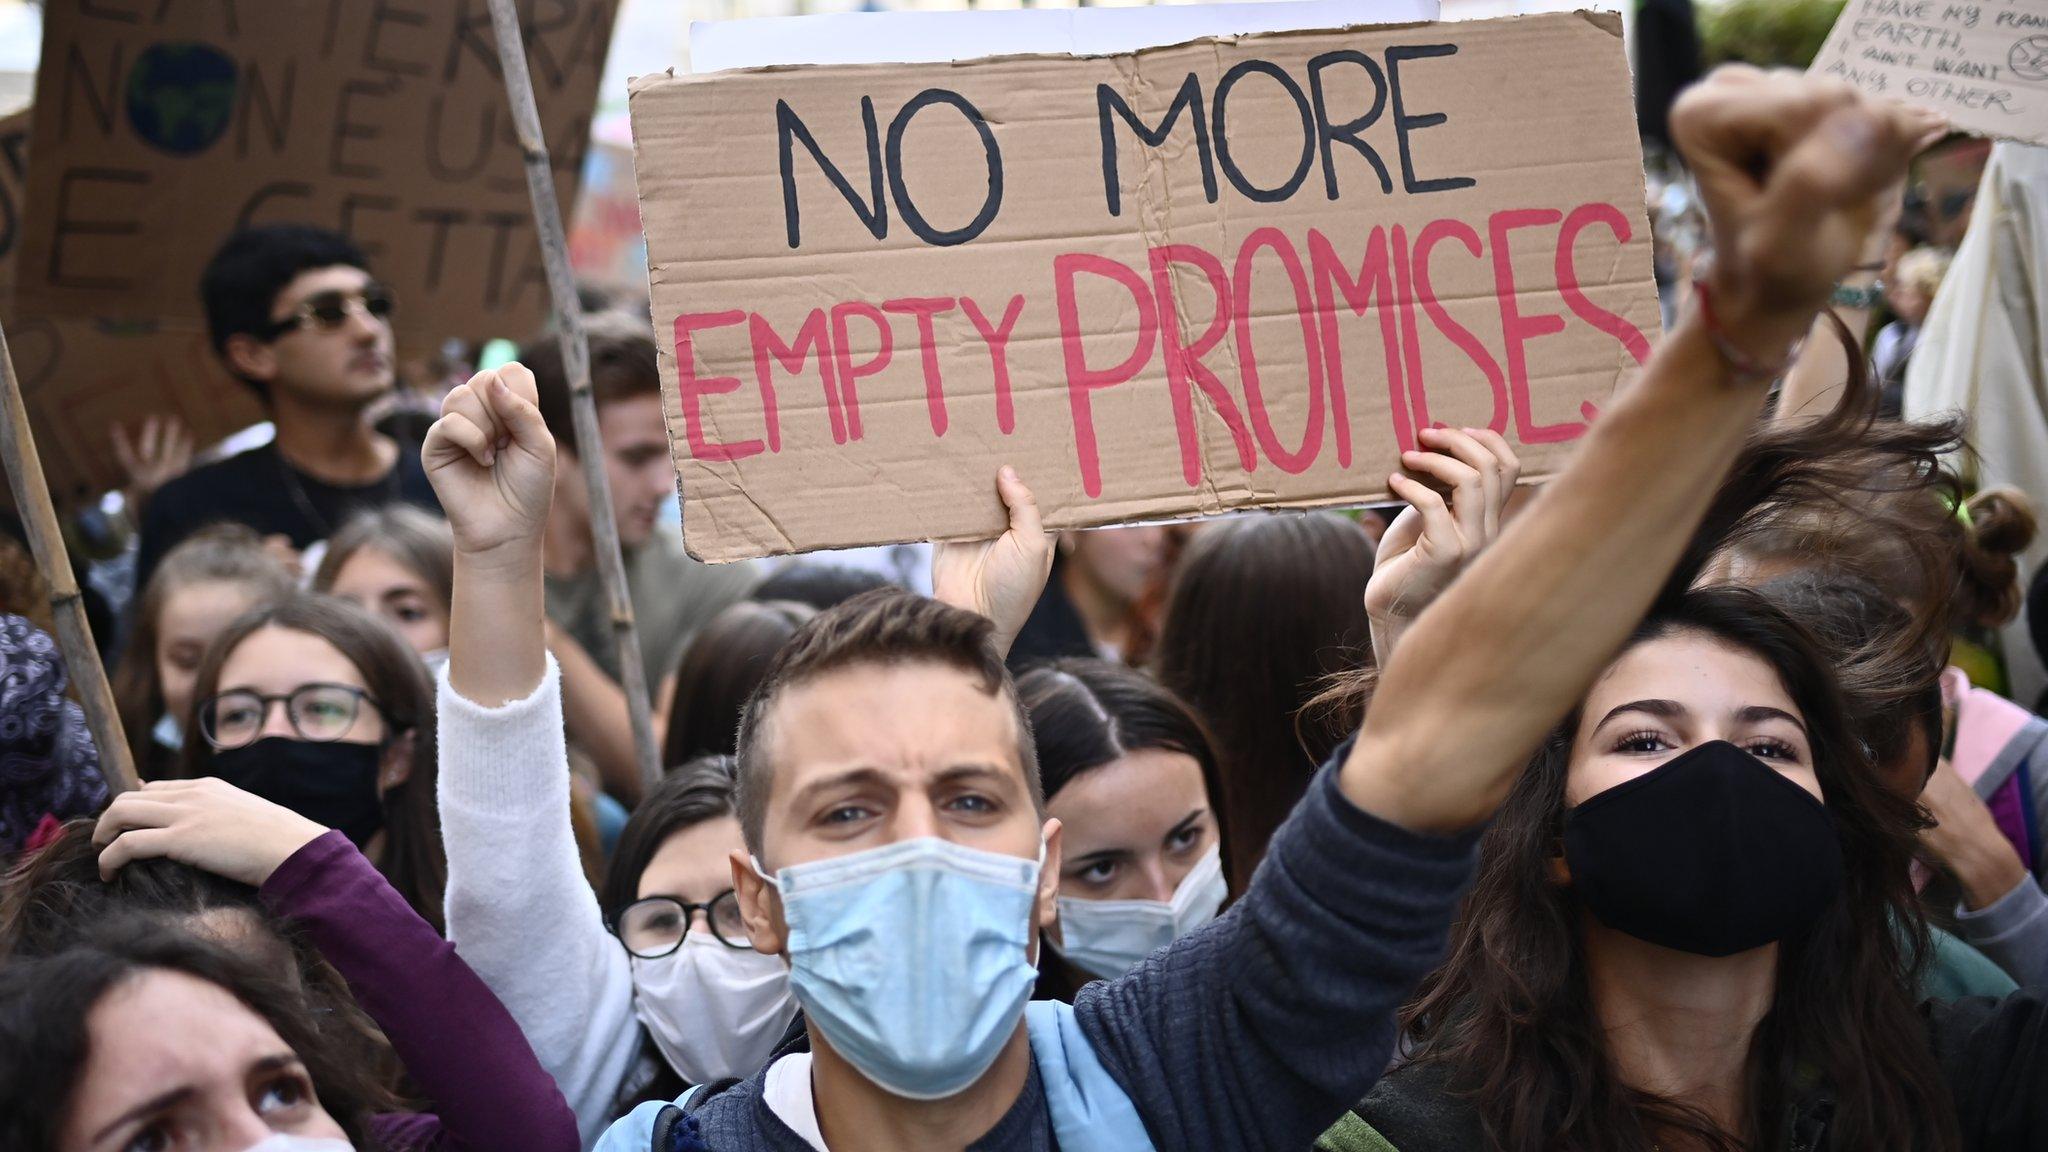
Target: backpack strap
x: 675, y: 1126
x: 1090, y: 1111
x: 675, y: 1132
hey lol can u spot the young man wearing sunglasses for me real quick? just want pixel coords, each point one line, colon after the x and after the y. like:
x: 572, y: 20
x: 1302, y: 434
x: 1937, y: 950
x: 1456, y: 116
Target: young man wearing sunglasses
x: 296, y: 316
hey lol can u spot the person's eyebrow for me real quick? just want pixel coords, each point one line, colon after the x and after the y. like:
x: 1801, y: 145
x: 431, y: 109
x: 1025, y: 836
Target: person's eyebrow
x: 1758, y: 713
x: 1187, y: 821
x: 863, y: 776
x: 1663, y: 709
x: 152, y: 1105
x: 1093, y: 858
x: 968, y: 773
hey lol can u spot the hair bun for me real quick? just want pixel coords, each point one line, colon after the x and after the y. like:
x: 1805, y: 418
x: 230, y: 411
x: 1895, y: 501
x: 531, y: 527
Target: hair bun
x: 2001, y: 525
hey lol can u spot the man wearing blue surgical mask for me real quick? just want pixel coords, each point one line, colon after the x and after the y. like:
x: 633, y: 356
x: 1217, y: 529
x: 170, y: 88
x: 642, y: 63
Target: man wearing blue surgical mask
x: 900, y: 858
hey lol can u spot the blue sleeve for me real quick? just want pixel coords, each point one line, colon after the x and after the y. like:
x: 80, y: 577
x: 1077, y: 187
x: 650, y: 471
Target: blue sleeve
x: 1262, y: 1028
x: 2013, y: 931
x: 633, y: 1132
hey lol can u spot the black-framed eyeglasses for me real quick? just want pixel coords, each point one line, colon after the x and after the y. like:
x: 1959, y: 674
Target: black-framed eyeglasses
x: 654, y: 927
x: 321, y: 713
x: 329, y: 310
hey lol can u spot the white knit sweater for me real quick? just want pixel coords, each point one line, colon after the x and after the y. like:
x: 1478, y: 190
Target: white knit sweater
x: 518, y: 906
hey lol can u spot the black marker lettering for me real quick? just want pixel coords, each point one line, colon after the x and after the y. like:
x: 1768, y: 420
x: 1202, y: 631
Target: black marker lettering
x: 992, y: 158
x: 68, y: 226
x: 873, y: 212
x: 1189, y: 97
x: 276, y: 109
x: 1404, y: 123
x: 1238, y: 179
x: 1347, y: 132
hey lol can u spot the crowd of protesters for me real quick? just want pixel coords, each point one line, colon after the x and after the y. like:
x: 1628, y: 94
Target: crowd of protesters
x: 1675, y: 803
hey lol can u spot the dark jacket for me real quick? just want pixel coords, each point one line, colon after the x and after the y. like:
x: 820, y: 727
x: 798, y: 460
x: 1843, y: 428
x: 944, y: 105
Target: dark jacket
x: 1246, y: 1035
x: 1993, y: 1055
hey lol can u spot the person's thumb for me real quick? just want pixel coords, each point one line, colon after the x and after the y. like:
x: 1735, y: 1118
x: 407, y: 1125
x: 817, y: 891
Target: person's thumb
x: 1019, y: 502
x: 512, y: 396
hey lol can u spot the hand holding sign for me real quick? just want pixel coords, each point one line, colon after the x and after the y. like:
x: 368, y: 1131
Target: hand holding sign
x: 999, y: 578
x: 1793, y: 173
x: 1430, y: 542
x: 492, y: 463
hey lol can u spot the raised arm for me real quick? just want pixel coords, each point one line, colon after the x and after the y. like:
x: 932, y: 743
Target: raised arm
x: 518, y: 904
x: 1791, y: 170
x: 492, y: 463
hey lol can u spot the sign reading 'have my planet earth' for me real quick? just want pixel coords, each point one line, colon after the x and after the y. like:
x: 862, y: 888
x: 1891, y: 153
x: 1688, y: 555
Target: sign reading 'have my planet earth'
x: 1981, y: 63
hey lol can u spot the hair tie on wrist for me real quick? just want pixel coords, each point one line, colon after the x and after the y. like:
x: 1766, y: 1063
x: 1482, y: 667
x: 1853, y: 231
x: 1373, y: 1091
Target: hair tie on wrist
x: 1746, y: 368
x: 1864, y: 298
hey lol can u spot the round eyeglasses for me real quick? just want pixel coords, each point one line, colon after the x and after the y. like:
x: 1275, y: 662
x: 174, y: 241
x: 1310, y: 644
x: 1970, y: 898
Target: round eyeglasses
x: 654, y: 927
x: 322, y: 713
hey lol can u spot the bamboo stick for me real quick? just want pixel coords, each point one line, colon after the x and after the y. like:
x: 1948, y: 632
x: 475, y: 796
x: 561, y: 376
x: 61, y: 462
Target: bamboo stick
x: 46, y: 539
x: 554, y: 246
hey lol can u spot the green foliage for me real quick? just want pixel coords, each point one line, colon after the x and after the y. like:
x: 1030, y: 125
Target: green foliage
x: 1766, y: 33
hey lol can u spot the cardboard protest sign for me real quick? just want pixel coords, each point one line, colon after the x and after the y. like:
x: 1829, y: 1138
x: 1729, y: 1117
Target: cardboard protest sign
x: 160, y: 128
x: 1176, y: 281
x: 81, y: 377
x: 1984, y: 64
x: 13, y: 175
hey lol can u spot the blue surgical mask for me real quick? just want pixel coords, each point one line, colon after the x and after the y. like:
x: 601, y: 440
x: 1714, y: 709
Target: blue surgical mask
x: 1109, y: 937
x: 167, y: 734
x: 913, y: 959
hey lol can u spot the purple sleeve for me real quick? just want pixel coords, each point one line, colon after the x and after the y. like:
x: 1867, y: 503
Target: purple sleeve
x: 459, y: 1045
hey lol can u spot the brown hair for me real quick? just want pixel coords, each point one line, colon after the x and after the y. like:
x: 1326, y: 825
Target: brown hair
x: 46, y: 1041
x: 1999, y: 526
x: 1510, y: 1014
x: 221, y: 554
x: 622, y: 366
x: 1847, y: 494
x: 55, y: 895
x: 412, y: 858
x: 722, y: 667
x: 887, y: 626
x: 413, y: 536
x: 1265, y: 609
x: 1891, y: 696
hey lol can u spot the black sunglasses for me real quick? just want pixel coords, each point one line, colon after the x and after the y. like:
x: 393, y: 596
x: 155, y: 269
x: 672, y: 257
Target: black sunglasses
x: 328, y: 311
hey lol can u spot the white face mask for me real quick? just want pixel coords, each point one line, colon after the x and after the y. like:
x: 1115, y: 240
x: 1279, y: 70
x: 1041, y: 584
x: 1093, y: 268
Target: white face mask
x: 434, y: 658
x: 714, y: 1011
x: 282, y: 1142
x: 1109, y: 937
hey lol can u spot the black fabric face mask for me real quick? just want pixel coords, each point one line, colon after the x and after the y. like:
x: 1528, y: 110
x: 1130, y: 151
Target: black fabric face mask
x: 329, y: 783
x: 1712, y: 853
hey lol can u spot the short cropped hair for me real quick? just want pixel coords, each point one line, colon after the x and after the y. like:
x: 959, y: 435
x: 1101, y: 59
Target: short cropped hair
x: 622, y: 367
x: 884, y: 627
x: 241, y: 282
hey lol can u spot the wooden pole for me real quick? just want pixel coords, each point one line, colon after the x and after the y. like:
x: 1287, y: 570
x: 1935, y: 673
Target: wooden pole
x: 45, y: 539
x: 554, y: 247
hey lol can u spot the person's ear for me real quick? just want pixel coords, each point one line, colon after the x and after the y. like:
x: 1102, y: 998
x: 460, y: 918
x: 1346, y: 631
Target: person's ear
x: 1048, y: 906
x: 760, y: 907
x: 250, y: 358
x: 396, y: 765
